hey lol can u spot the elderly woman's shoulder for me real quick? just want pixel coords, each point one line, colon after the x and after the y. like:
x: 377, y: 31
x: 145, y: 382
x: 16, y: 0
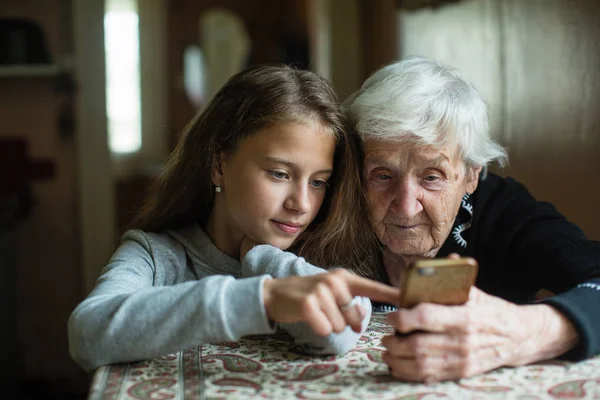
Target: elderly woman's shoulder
x: 505, y: 198
x: 494, y: 185
x: 509, y: 202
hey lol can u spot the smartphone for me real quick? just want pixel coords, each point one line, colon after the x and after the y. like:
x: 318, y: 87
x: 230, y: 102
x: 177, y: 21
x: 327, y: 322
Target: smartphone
x: 441, y: 281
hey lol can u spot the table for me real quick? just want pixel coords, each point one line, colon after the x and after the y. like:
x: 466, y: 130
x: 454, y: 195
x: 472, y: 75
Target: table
x: 267, y: 367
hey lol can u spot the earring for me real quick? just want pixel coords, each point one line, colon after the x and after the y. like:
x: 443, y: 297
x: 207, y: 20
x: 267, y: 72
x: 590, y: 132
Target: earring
x: 218, y: 188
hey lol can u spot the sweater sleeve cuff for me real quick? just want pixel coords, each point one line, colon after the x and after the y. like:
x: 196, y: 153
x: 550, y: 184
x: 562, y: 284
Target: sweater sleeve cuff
x: 580, y: 305
x: 248, y: 313
x: 258, y: 259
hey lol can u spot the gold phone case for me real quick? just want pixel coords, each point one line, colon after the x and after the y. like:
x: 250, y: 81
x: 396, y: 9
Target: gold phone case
x: 442, y: 281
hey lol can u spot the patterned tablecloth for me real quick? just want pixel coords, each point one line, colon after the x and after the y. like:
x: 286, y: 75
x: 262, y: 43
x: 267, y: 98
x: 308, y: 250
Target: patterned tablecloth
x: 267, y: 367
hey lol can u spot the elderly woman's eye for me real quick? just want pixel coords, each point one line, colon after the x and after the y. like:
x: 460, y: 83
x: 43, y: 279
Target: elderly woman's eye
x: 383, y: 177
x: 432, y: 178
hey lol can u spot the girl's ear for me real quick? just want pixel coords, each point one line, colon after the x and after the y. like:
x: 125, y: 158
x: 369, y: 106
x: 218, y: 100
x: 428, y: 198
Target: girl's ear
x: 217, y: 169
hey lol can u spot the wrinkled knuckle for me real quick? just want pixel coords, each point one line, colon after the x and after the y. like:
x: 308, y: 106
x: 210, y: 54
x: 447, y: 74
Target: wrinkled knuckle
x: 470, y: 325
x: 420, y: 307
x: 467, y: 367
x: 463, y: 351
x: 467, y: 344
x: 416, y: 345
x: 422, y: 364
x: 423, y: 315
x: 400, y: 327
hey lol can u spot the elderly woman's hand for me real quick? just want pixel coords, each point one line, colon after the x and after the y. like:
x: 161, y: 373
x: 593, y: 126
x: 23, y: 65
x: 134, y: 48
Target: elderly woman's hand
x: 485, y: 333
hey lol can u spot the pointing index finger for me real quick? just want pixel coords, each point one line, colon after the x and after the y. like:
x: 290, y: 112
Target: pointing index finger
x: 372, y: 289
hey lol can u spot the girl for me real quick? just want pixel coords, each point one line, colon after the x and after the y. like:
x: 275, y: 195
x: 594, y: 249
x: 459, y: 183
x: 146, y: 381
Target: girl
x: 254, y: 167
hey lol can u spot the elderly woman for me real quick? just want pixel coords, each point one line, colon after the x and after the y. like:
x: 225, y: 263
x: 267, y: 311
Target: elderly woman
x: 427, y: 148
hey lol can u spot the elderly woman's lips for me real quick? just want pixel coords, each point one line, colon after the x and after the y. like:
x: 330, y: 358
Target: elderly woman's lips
x: 402, y: 227
x: 407, y: 226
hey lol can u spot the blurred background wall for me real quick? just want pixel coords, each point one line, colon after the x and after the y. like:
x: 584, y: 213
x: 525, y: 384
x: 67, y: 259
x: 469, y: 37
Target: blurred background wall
x: 84, y: 129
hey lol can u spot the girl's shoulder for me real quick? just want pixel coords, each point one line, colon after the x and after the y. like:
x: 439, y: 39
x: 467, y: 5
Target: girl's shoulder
x: 166, y: 253
x: 168, y: 244
x: 149, y: 240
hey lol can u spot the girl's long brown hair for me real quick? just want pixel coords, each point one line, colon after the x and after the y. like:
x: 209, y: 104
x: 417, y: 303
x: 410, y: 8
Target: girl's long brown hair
x: 346, y: 238
x: 251, y: 100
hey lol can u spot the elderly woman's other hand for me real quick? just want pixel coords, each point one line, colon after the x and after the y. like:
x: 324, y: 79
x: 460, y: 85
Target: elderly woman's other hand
x: 461, y: 341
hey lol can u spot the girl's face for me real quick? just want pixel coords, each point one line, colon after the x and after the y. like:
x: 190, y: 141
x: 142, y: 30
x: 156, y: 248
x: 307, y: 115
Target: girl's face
x: 272, y: 186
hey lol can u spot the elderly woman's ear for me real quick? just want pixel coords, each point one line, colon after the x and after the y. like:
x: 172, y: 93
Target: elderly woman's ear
x: 472, y: 177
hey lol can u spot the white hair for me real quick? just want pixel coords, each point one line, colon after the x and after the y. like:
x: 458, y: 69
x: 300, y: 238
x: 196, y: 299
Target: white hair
x: 422, y: 101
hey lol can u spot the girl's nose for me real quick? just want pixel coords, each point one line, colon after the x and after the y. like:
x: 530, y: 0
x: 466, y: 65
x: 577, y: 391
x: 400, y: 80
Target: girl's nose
x: 299, y: 200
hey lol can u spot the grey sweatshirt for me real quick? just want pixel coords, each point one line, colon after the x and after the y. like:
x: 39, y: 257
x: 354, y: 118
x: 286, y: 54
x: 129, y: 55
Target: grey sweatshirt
x: 161, y: 293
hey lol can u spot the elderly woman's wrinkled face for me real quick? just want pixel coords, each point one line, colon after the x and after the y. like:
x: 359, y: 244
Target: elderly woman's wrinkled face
x: 414, y: 193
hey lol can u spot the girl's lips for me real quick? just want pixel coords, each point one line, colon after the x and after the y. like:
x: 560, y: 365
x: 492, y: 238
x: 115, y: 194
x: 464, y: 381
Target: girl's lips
x: 289, y: 229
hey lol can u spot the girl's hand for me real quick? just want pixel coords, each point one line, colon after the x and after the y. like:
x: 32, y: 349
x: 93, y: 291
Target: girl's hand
x: 319, y: 300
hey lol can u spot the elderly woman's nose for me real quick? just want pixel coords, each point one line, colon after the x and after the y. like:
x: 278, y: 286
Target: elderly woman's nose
x: 407, y: 201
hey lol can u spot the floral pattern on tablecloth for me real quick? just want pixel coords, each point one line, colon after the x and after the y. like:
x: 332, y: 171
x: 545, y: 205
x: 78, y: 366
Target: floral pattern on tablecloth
x: 267, y: 367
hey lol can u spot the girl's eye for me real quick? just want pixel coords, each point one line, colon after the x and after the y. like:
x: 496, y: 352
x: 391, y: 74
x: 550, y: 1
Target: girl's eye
x: 278, y: 175
x: 318, y: 184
